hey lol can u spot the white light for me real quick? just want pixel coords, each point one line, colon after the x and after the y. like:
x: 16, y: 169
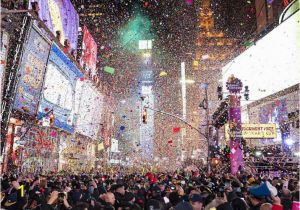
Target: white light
x: 258, y: 153
x: 297, y: 154
x: 145, y: 44
x: 147, y: 55
x: 146, y: 89
x: 188, y: 81
x: 123, y: 101
x: 289, y: 142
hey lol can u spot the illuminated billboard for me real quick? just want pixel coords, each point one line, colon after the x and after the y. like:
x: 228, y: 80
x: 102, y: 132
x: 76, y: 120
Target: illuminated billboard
x: 272, y: 64
x: 59, y: 89
x: 60, y: 16
x: 31, y: 72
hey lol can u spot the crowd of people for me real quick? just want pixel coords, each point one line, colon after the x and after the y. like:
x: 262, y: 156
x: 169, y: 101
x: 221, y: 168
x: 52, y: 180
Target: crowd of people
x: 151, y: 191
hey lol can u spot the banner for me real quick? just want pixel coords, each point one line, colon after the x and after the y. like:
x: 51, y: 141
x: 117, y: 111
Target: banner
x: 89, y: 51
x: 255, y: 131
x: 60, y: 16
x: 31, y: 72
x: 59, y: 89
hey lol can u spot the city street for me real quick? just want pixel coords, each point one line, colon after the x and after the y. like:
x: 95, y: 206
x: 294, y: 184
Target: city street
x: 148, y: 104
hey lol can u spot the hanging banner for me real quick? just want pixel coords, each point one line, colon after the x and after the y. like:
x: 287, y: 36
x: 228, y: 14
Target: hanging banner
x: 255, y: 131
x: 59, y: 89
x: 89, y: 52
x: 60, y: 16
x: 31, y: 72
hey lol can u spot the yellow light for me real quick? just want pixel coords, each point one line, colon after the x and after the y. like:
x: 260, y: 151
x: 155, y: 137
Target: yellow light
x: 163, y: 73
x: 196, y: 63
x: 147, y: 55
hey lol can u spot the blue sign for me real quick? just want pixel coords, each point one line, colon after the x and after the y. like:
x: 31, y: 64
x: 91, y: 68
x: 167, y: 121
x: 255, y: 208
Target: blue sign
x: 59, y: 89
x: 31, y: 72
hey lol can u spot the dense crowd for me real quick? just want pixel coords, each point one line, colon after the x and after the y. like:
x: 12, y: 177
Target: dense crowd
x: 151, y: 191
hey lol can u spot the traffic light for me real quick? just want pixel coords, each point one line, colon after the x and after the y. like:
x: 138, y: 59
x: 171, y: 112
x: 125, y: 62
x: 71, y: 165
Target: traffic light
x: 246, y: 95
x: 220, y: 93
x: 52, y: 119
x: 144, y: 116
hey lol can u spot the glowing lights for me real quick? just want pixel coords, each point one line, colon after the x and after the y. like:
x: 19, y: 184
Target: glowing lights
x: 188, y: 81
x: 145, y: 44
x: 146, y: 90
x: 289, y: 142
x: 297, y: 154
x: 258, y: 153
x: 146, y: 55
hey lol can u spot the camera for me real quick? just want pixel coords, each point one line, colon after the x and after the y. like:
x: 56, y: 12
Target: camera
x: 61, y: 197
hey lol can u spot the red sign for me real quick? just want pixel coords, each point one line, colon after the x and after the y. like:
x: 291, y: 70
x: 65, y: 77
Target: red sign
x: 89, y: 51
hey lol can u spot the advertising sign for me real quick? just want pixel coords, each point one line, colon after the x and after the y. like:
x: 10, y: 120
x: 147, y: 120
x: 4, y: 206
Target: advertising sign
x: 31, y: 72
x: 274, y: 59
x: 59, y: 89
x: 4, y: 40
x: 60, y: 16
x: 255, y: 131
x: 89, y: 51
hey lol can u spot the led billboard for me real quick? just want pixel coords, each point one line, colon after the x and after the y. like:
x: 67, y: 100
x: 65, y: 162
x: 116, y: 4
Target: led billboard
x: 59, y: 89
x: 272, y: 64
x: 60, y: 16
x: 31, y: 72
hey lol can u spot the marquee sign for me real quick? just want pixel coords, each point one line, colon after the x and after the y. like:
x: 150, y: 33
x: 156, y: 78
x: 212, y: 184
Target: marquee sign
x: 253, y: 131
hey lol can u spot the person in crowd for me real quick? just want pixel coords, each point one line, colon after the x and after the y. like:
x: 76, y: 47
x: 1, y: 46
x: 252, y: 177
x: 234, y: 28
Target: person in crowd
x: 172, y: 191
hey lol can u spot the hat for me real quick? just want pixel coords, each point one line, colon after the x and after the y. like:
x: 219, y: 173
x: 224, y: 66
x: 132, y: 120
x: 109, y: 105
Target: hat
x: 251, y: 180
x: 265, y: 189
x: 183, y: 206
x: 196, y: 198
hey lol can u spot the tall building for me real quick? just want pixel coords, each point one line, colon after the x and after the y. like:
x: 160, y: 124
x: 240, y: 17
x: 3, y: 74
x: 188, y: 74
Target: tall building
x: 213, y: 49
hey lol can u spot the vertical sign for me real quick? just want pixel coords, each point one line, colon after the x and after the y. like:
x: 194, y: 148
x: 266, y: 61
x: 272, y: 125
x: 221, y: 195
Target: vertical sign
x: 234, y: 86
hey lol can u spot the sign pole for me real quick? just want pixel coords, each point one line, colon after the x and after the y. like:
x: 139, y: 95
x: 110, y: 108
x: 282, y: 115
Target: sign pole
x: 234, y: 86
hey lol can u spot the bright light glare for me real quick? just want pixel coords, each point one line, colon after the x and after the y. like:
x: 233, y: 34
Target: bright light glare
x: 146, y: 89
x: 123, y: 101
x: 146, y: 55
x: 145, y: 44
x: 258, y: 153
x: 289, y: 142
x: 297, y: 154
x: 188, y: 81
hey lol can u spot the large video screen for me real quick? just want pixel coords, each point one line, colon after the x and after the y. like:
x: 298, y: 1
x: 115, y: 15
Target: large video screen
x: 31, y: 72
x: 60, y: 16
x: 272, y: 64
x: 59, y: 89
